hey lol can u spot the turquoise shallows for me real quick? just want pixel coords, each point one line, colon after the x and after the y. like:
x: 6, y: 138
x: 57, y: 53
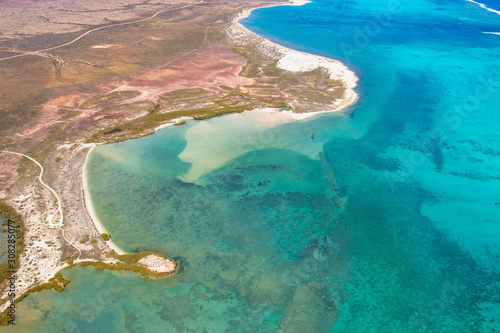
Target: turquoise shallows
x: 385, y: 222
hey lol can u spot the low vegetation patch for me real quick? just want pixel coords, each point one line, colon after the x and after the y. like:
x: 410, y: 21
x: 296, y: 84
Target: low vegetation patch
x: 111, y: 97
x: 10, y: 214
x: 128, y: 262
x: 58, y: 282
x: 68, y: 114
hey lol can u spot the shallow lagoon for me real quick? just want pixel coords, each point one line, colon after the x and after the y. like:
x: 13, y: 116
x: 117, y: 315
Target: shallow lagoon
x: 394, y: 227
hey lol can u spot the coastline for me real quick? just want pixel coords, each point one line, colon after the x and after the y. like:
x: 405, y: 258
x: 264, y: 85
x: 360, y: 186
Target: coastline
x: 293, y: 60
x: 173, y: 122
x: 288, y: 59
x: 90, y: 209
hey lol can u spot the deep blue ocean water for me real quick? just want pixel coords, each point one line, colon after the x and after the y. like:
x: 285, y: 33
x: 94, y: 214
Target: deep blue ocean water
x: 385, y: 222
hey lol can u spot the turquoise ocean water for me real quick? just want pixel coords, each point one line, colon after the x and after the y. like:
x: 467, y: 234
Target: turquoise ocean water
x: 385, y: 222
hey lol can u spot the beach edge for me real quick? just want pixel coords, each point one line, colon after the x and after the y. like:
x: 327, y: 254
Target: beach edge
x: 89, y: 207
x: 294, y: 60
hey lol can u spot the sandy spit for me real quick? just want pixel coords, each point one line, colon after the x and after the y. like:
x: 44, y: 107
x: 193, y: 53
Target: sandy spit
x: 295, y: 61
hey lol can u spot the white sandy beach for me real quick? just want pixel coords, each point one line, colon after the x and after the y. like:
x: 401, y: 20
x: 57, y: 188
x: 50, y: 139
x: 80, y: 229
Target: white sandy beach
x: 155, y: 263
x: 296, y: 61
x: 90, y: 209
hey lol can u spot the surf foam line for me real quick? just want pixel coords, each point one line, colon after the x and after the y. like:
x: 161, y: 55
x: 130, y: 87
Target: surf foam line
x: 485, y: 7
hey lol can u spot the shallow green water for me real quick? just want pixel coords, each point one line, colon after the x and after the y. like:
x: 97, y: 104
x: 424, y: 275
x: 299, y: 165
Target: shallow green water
x: 385, y: 222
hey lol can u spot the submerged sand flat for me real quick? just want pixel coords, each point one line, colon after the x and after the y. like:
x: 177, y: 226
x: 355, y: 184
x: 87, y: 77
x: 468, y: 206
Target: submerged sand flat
x: 213, y: 143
